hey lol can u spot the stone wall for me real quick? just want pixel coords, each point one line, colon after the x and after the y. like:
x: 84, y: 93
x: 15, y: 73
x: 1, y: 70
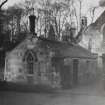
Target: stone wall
x: 44, y: 73
x: 87, y: 71
x: 14, y: 69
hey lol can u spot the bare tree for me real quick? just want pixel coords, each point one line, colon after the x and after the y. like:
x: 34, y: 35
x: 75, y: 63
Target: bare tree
x: 92, y: 13
x: 56, y: 13
x: 3, y: 3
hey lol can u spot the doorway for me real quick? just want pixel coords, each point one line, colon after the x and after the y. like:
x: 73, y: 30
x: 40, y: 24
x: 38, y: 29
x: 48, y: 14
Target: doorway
x: 75, y: 71
x: 66, y: 76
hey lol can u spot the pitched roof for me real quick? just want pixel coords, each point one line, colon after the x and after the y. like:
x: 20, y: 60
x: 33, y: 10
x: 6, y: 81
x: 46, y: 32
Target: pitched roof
x: 78, y: 52
x: 98, y: 23
x: 61, y: 49
x: 64, y: 49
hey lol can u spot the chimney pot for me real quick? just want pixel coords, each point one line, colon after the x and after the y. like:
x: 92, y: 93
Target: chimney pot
x: 32, y: 23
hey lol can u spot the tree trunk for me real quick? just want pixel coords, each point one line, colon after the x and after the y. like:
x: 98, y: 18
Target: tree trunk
x: 18, y: 24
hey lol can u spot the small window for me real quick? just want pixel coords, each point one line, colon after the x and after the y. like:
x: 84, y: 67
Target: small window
x: 30, y: 58
x: 88, y: 63
x: 30, y: 61
x: 20, y: 70
x: 30, y: 68
x: 41, y: 53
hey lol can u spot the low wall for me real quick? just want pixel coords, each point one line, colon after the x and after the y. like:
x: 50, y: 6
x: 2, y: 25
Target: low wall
x: 10, y: 86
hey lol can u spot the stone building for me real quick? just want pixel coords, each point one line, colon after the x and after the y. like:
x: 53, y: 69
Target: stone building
x: 94, y: 39
x: 38, y: 60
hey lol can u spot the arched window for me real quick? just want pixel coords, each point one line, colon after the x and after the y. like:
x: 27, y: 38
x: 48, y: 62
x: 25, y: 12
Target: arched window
x: 30, y: 58
x: 30, y: 62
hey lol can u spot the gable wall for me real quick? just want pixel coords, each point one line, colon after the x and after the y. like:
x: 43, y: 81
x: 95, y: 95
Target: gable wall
x: 44, y: 71
x: 16, y: 67
x: 87, y: 70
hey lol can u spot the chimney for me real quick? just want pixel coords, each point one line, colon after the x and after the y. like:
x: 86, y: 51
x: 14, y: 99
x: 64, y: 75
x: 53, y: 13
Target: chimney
x: 84, y: 22
x: 32, y: 19
x: 51, y: 33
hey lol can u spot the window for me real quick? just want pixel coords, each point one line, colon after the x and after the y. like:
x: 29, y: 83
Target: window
x: 30, y: 61
x: 30, y: 57
x: 87, y: 63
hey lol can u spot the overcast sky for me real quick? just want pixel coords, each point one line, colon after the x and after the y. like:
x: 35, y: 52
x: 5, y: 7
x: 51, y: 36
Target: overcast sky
x: 11, y: 2
x: 87, y: 2
x: 86, y: 5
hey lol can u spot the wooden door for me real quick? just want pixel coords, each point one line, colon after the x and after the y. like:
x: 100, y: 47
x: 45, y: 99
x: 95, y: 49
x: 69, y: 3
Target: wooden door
x: 75, y: 71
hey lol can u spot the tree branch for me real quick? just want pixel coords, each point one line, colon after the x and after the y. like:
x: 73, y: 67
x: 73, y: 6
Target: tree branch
x: 3, y: 3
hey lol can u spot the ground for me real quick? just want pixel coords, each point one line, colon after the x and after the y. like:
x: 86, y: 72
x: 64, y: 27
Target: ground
x: 91, y: 94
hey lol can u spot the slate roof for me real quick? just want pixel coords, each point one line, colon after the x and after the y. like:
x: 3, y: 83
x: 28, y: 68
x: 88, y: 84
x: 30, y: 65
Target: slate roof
x: 62, y: 49
x: 98, y: 23
x: 78, y: 52
x: 65, y: 49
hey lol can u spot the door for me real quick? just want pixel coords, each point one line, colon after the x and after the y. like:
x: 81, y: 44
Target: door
x: 75, y: 71
x: 30, y: 70
x: 65, y: 76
